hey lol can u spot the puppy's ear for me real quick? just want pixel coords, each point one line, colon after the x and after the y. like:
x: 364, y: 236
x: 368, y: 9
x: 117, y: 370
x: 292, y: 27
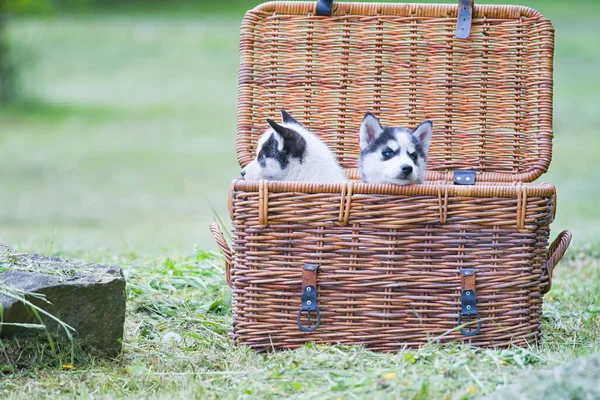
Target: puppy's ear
x: 370, y: 129
x: 293, y: 143
x: 287, y: 118
x: 423, y: 133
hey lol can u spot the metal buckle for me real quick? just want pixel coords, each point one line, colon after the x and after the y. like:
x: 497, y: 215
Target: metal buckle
x: 470, y: 332
x: 309, y: 328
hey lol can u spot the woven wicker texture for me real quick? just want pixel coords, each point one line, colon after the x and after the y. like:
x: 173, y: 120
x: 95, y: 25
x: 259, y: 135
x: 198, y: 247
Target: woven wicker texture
x: 490, y: 96
x: 391, y: 255
x: 390, y: 272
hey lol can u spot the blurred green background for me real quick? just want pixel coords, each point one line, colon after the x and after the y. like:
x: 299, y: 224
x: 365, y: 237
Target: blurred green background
x: 122, y: 135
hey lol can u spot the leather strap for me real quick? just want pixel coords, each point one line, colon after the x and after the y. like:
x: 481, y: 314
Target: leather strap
x: 309, y: 275
x: 464, y: 177
x: 324, y: 7
x: 468, y: 302
x: 308, y: 298
x: 465, y: 15
x: 467, y: 279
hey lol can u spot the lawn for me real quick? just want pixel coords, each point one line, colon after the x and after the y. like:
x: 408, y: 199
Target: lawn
x: 122, y: 148
x: 176, y: 347
x: 125, y: 135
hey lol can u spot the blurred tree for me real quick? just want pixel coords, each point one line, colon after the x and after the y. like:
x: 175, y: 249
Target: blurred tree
x: 8, y: 64
x: 28, y: 6
x: 7, y: 72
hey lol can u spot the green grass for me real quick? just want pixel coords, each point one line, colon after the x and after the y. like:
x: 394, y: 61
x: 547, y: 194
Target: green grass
x: 187, y: 298
x: 125, y: 136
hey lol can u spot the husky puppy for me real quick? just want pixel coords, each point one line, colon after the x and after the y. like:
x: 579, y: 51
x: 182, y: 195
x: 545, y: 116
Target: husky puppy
x: 392, y: 154
x: 290, y: 152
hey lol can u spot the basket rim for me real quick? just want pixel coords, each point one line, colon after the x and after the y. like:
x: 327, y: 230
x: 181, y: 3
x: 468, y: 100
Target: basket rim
x: 542, y: 189
x: 442, y: 10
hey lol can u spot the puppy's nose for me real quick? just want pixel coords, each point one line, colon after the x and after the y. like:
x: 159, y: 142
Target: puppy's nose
x: 406, y: 169
x: 243, y: 172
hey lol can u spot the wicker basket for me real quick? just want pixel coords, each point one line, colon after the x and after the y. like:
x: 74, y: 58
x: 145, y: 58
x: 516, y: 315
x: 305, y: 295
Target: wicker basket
x: 397, y: 265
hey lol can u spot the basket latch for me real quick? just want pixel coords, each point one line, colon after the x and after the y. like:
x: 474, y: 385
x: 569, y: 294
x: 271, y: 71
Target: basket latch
x: 309, y: 299
x: 464, y: 177
x: 324, y: 7
x: 468, y: 301
x: 465, y: 15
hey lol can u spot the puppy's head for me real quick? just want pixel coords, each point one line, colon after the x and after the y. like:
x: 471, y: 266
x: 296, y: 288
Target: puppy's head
x: 392, y: 154
x: 279, y: 149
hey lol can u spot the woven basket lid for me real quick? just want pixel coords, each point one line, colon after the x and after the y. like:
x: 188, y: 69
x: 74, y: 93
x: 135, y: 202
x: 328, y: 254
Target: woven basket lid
x: 489, y: 96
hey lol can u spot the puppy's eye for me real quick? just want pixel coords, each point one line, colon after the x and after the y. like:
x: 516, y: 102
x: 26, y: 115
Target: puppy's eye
x: 387, y: 153
x: 413, y: 156
x: 261, y: 157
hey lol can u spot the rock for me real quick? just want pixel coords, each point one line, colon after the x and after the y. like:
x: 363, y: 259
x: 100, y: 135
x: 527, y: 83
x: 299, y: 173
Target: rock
x: 88, y: 297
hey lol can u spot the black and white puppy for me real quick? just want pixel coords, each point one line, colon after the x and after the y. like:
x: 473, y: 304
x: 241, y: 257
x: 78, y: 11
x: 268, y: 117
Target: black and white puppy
x: 393, y: 154
x: 290, y: 152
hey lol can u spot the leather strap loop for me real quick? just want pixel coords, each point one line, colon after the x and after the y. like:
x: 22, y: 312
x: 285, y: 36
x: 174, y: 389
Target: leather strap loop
x: 467, y: 279
x: 309, y: 275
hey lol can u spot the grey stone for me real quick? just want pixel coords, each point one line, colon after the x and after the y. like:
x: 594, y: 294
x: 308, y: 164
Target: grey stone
x: 88, y: 297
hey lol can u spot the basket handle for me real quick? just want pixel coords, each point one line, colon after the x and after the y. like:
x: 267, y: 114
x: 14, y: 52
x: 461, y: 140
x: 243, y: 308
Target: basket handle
x: 220, y: 239
x: 324, y: 7
x: 556, y: 251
